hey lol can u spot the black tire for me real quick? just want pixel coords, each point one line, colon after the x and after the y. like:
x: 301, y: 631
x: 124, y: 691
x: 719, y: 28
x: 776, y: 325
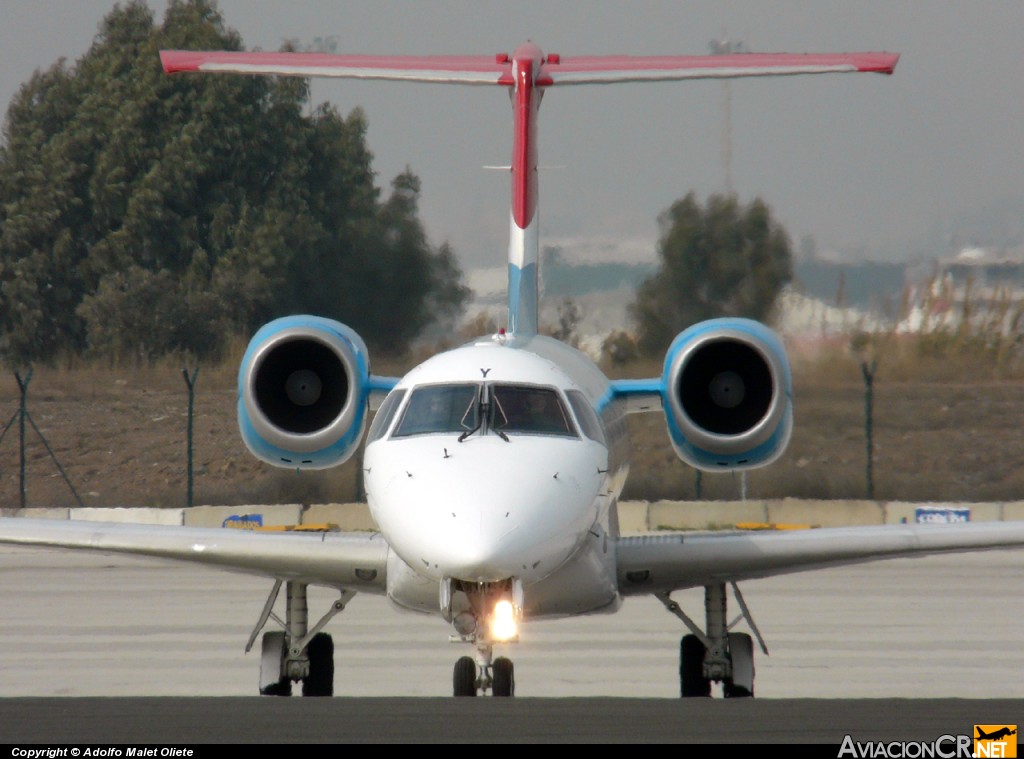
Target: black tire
x: 692, y: 682
x: 320, y: 681
x: 735, y: 691
x: 464, y: 677
x: 280, y: 688
x: 503, y: 679
x: 273, y: 648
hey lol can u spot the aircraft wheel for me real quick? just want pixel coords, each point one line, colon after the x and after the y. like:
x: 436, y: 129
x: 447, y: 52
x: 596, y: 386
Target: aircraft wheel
x: 464, y: 677
x: 320, y: 681
x: 691, y: 668
x: 503, y: 681
x: 741, y: 651
x: 272, y: 654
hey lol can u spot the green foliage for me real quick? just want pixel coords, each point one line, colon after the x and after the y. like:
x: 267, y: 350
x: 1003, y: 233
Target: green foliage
x: 142, y: 214
x: 139, y: 315
x: 721, y: 260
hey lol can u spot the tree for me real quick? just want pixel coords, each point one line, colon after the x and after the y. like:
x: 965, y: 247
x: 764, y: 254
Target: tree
x: 205, y: 204
x: 391, y: 260
x: 721, y: 260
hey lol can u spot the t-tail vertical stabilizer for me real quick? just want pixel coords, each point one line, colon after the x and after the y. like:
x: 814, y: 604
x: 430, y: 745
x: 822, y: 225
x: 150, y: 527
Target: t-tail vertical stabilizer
x: 527, y: 73
x: 524, y: 236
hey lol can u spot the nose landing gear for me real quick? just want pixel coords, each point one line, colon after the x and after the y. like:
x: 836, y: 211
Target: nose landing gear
x: 497, y: 676
x: 482, y: 614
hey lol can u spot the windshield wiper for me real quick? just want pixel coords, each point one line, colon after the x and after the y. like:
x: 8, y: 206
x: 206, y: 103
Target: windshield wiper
x: 483, y: 413
x: 467, y: 433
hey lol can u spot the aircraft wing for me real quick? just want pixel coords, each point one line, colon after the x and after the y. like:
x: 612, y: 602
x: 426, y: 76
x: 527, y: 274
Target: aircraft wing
x: 459, y: 69
x: 606, y: 69
x: 661, y: 563
x: 354, y: 560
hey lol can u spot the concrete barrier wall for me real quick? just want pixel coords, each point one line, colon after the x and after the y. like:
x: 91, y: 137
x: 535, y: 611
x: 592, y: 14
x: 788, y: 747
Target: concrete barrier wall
x: 30, y: 513
x: 703, y: 515
x: 898, y: 512
x: 215, y: 516
x: 129, y: 515
x: 353, y: 517
x: 1013, y: 511
x: 634, y: 516
x: 642, y: 516
x: 838, y: 513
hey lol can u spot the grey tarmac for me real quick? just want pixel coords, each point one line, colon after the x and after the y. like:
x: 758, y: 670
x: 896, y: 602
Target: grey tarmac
x: 903, y: 648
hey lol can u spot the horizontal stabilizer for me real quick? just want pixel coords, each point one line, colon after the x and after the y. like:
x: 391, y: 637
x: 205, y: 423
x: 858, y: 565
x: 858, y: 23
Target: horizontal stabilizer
x: 458, y: 69
x: 607, y: 69
x: 555, y: 70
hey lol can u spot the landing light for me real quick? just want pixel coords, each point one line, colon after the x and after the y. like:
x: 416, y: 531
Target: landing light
x: 503, y: 623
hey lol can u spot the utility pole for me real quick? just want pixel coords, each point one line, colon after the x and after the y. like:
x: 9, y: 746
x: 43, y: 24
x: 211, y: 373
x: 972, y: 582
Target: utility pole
x: 727, y: 46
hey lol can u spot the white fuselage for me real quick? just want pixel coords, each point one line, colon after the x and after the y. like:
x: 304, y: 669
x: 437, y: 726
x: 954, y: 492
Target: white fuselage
x: 492, y: 503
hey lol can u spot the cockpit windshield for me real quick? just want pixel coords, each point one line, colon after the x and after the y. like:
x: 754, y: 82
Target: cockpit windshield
x: 529, y: 409
x: 440, y: 408
x: 467, y: 409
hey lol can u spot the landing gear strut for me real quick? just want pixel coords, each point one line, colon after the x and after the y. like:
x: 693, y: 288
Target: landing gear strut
x: 715, y: 654
x: 298, y: 653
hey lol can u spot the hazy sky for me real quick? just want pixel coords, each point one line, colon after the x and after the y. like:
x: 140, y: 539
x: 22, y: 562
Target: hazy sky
x: 861, y: 162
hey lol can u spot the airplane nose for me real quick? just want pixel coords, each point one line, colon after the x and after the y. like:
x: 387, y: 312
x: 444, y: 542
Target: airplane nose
x: 474, y: 521
x: 507, y: 530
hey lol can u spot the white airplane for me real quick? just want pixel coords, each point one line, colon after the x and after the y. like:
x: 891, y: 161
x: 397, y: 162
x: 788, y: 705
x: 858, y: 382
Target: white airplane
x: 493, y: 470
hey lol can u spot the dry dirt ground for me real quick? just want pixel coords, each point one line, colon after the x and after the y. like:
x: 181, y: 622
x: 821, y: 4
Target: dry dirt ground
x: 121, y: 437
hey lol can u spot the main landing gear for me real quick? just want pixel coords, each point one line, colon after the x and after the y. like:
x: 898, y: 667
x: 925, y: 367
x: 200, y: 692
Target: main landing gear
x: 298, y: 653
x: 716, y: 655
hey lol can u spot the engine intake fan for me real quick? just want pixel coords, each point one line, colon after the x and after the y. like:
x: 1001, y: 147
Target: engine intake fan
x: 303, y: 392
x: 728, y: 395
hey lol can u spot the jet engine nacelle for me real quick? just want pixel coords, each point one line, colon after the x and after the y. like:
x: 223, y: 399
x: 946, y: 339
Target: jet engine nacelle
x: 303, y: 392
x: 727, y: 395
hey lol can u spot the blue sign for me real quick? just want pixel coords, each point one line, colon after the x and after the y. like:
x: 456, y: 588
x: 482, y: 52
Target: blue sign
x: 942, y: 514
x: 243, y: 521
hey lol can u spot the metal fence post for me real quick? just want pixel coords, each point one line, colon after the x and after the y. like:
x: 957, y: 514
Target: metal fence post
x: 191, y: 382
x: 869, y: 377
x: 22, y: 414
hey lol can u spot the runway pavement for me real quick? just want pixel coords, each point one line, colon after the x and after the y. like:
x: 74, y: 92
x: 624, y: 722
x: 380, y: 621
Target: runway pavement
x: 202, y: 722
x: 80, y: 625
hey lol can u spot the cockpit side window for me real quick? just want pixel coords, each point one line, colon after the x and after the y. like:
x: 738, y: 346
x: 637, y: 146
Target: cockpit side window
x: 586, y: 416
x: 439, y: 408
x: 386, y: 412
x: 528, y: 409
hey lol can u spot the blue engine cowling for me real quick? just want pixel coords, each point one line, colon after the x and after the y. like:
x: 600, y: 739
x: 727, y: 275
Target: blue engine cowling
x: 303, y: 392
x: 727, y: 392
